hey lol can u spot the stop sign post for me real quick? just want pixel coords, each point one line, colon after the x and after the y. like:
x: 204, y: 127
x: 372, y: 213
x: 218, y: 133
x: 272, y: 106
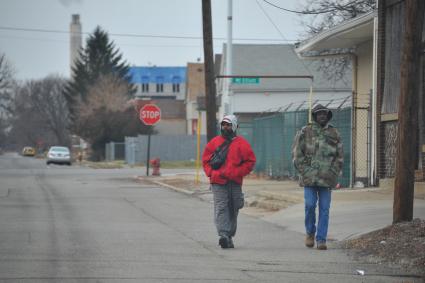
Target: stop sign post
x: 149, y: 114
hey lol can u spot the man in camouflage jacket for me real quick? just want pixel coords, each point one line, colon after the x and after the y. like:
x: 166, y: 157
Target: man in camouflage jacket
x: 318, y: 158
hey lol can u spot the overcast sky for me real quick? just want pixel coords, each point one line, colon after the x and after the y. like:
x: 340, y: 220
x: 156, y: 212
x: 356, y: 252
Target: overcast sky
x: 36, y: 54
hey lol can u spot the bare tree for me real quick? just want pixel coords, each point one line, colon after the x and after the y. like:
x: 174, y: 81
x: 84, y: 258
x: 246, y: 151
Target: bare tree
x: 321, y: 15
x: 26, y: 125
x: 107, y: 115
x: 40, y: 113
x: 48, y: 100
x: 6, y: 84
x: 108, y: 93
x: 3, y: 136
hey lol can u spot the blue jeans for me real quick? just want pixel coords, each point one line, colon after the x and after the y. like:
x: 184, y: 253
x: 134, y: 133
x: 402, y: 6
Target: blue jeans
x: 311, y: 195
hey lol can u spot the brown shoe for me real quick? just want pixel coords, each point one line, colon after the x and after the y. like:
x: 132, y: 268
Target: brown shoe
x: 321, y: 246
x: 309, y: 241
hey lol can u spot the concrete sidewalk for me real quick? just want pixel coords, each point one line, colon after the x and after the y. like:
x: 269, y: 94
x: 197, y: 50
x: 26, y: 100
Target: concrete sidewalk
x: 353, y: 211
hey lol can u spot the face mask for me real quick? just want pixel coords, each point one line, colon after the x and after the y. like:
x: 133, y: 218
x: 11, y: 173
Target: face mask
x: 227, y: 133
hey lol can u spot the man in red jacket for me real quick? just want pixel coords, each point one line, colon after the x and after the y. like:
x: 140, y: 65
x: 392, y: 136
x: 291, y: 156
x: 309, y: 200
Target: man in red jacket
x: 226, y: 181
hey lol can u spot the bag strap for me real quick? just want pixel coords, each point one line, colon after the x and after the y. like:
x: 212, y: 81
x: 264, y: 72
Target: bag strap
x: 224, y: 145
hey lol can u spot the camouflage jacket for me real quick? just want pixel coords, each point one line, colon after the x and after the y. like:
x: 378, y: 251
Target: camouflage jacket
x: 317, y: 155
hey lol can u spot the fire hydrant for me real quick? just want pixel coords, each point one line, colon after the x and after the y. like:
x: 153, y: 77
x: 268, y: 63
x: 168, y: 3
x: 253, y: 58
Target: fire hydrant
x: 156, y: 164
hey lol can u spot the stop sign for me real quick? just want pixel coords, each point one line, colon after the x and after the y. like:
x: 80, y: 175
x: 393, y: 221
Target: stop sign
x: 150, y: 114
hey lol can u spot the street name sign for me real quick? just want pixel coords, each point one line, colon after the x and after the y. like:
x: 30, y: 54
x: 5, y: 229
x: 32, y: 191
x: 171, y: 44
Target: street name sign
x: 246, y: 80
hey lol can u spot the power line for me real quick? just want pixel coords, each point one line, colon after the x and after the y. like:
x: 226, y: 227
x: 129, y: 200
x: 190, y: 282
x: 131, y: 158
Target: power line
x: 121, y: 44
x: 281, y: 34
x: 33, y: 38
x: 271, y: 21
x: 141, y: 35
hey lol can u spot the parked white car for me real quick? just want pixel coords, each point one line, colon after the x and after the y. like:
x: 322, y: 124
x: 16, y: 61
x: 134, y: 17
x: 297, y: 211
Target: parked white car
x: 59, y: 155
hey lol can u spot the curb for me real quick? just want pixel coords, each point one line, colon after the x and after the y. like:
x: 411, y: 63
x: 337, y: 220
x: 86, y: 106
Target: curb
x: 161, y: 184
x: 264, y: 200
x: 288, y: 198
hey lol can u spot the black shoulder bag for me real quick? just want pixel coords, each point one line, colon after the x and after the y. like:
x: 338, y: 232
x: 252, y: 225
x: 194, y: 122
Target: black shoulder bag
x: 219, y: 156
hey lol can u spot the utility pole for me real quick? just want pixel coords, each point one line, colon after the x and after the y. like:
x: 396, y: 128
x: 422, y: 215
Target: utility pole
x: 380, y: 69
x: 408, y: 112
x: 229, y: 60
x: 210, y: 90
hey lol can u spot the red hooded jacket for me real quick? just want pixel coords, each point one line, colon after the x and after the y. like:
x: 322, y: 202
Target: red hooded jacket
x: 239, y: 162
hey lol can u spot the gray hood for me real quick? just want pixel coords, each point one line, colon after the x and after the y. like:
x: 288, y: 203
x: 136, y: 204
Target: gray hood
x: 232, y: 120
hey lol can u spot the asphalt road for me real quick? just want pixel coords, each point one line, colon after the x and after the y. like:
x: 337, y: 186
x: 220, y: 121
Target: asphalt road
x: 75, y: 224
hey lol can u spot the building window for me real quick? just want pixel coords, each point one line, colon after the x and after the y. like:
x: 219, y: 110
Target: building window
x: 176, y: 83
x: 176, y: 87
x: 160, y: 87
x: 145, y: 84
x: 160, y: 84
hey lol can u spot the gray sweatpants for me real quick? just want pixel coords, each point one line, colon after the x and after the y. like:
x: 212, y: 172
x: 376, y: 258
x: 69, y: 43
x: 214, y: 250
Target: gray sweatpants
x: 228, y: 199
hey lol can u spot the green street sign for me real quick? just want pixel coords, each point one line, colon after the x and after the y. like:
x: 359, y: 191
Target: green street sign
x: 245, y: 80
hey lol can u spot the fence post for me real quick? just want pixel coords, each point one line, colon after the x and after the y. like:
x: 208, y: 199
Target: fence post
x: 112, y: 148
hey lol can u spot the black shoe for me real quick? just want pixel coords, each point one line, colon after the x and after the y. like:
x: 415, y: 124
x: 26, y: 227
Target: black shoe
x: 231, y: 246
x: 224, y: 242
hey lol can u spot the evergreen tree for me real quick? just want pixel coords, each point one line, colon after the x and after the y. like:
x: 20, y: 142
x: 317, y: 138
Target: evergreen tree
x: 98, y: 58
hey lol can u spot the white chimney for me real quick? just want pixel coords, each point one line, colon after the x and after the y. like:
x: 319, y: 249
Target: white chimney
x: 75, y: 39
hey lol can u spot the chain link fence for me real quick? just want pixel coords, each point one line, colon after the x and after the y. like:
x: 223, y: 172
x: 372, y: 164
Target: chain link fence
x: 273, y: 135
x: 362, y: 140
x: 114, y: 151
x: 167, y: 147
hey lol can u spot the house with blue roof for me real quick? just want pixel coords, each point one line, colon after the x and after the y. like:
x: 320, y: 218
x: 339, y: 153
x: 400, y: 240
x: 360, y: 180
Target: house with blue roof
x: 154, y: 82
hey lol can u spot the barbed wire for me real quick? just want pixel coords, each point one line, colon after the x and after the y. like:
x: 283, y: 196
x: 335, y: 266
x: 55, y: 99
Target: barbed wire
x: 303, y: 104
